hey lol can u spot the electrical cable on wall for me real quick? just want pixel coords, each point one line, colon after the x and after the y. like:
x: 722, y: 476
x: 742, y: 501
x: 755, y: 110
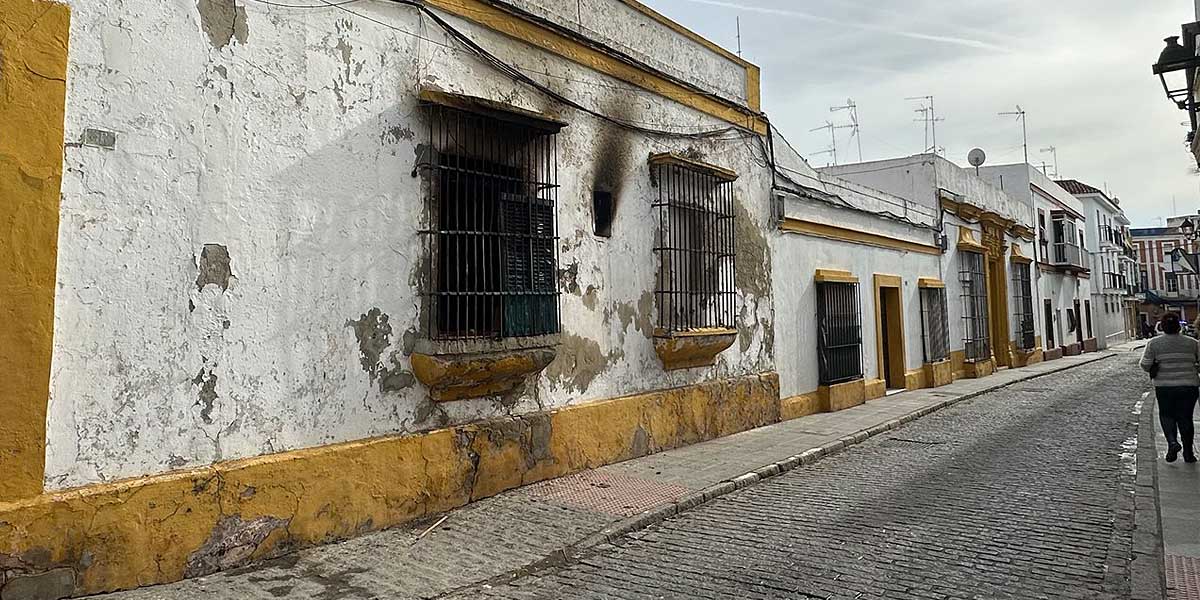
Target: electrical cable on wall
x: 731, y: 132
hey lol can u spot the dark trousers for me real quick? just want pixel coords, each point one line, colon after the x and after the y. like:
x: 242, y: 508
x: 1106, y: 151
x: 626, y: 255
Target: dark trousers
x: 1175, y: 406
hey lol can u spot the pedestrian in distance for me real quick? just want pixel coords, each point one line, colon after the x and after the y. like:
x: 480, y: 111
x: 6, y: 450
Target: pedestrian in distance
x: 1173, y: 362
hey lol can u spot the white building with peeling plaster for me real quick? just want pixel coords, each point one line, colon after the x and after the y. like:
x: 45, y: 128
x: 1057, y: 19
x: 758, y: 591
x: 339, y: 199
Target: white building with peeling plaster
x: 280, y: 276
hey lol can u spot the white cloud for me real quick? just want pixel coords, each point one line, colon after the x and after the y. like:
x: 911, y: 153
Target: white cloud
x: 1081, y: 68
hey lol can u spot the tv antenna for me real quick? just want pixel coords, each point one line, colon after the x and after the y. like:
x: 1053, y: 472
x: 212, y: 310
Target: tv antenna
x: 1054, y: 154
x: 737, y: 20
x: 832, y: 149
x: 1020, y: 114
x: 853, y: 126
x: 930, y: 119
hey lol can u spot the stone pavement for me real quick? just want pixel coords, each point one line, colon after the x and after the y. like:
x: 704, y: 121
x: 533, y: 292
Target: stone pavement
x: 536, y: 527
x: 1026, y: 492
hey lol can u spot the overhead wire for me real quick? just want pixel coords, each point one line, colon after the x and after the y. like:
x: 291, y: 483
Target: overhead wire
x: 729, y: 133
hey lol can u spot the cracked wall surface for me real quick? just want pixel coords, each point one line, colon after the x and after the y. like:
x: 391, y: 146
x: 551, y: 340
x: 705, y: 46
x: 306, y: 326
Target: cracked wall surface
x: 240, y: 273
x: 193, y: 522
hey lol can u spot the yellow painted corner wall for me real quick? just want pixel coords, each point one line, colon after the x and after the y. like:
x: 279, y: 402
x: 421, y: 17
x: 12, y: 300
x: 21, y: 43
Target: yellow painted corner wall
x: 163, y: 528
x: 33, y: 66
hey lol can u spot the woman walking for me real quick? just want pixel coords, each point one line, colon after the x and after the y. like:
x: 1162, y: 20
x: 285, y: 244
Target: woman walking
x: 1172, y: 361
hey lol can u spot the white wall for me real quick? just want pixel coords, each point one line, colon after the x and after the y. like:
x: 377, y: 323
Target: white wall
x: 289, y: 137
x: 636, y: 34
x: 795, y: 261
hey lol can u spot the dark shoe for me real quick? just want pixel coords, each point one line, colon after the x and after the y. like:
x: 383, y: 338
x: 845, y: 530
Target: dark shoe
x: 1189, y: 456
x: 1173, y: 452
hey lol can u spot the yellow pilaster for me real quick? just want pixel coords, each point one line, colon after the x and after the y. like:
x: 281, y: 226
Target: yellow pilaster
x: 33, y: 66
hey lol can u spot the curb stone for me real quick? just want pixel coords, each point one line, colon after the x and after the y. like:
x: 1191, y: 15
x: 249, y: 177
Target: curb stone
x: 1147, y: 571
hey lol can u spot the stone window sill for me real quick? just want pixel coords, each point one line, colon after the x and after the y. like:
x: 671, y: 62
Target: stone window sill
x: 692, y: 349
x: 463, y: 369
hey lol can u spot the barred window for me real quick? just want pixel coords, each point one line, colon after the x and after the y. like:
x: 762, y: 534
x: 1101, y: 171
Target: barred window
x: 492, y: 231
x: 695, y: 246
x: 1023, y: 306
x: 935, y: 330
x: 839, y: 332
x: 975, y: 306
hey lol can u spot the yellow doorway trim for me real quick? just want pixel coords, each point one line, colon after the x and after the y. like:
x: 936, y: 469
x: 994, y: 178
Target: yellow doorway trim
x: 889, y: 289
x: 33, y: 72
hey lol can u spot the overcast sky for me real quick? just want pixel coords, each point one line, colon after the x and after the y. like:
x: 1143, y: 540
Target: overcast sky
x: 1079, y: 68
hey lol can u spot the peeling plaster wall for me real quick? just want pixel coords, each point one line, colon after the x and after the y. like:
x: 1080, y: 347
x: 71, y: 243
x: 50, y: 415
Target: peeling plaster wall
x: 237, y: 271
x: 653, y: 43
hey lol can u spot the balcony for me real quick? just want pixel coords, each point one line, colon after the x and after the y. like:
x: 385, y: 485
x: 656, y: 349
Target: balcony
x: 1116, y: 283
x: 1067, y: 257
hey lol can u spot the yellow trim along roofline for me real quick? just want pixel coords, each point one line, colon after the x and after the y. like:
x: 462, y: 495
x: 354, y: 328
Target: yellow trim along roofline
x: 33, y: 71
x: 842, y: 234
x: 572, y: 47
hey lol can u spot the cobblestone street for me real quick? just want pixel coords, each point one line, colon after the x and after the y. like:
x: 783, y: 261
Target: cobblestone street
x: 1025, y: 492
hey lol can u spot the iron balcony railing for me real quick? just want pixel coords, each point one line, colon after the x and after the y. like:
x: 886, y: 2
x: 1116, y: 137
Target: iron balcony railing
x: 1067, y: 255
x: 1115, y: 281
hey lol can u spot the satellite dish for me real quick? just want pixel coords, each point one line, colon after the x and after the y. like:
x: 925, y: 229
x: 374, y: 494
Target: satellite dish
x: 976, y: 157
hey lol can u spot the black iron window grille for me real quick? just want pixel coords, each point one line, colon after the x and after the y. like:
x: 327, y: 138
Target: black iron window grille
x: 935, y: 328
x: 695, y: 246
x: 839, y: 332
x: 492, y: 227
x: 976, y: 343
x: 1023, y: 306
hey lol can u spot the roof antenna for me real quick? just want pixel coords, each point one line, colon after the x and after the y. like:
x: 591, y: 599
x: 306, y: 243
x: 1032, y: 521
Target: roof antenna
x: 737, y: 19
x: 832, y: 150
x: 930, y: 119
x: 1020, y: 114
x: 853, y: 126
x: 1054, y: 153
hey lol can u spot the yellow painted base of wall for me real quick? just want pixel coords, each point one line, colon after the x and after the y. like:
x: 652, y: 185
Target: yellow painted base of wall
x: 939, y: 373
x: 801, y: 406
x: 915, y: 379
x: 841, y: 396
x: 875, y: 388
x: 1022, y: 358
x: 163, y: 528
x: 979, y: 368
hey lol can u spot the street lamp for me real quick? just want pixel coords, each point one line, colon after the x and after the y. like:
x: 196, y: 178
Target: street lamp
x: 1176, y: 68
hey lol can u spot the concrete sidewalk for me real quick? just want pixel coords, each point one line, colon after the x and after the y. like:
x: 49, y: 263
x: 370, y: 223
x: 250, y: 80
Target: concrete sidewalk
x: 497, y: 538
x: 1179, y: 506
